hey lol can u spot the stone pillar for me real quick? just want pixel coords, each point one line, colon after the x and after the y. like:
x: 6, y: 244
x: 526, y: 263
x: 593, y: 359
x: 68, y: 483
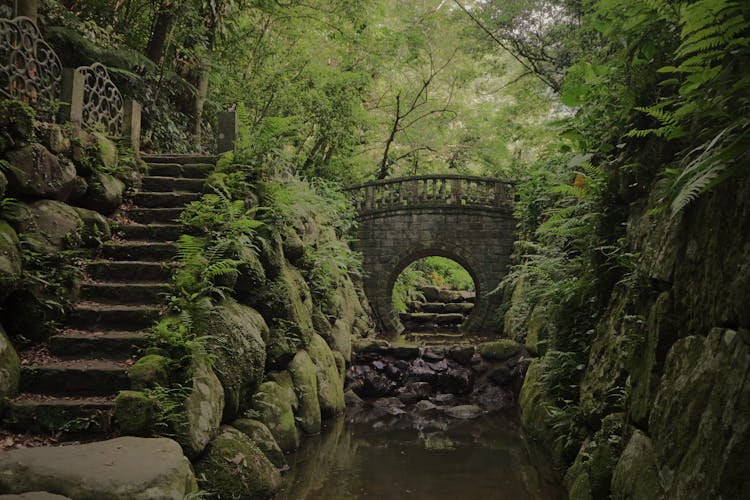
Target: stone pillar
x: 228, y: 127
x: 72, y: 97
x: 26, y: 8
x: 131, y: 125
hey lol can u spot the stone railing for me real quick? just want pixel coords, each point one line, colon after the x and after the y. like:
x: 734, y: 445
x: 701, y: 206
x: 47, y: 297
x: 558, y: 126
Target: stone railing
x: 432, y: 190
x: 30, y: 71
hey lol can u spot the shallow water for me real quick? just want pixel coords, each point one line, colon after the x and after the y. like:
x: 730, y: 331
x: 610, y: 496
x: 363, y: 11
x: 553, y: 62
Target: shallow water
x: 486, y: 458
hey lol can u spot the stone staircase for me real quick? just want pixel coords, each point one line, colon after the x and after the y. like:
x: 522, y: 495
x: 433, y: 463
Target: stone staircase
x: 70, y: 384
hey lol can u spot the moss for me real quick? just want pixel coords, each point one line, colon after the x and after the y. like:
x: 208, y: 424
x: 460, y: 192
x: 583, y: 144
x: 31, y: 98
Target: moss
x: 10, y: 368
x: 105, y: 151
x: 636, y: 475
x: 259, y: 433
x: 305, y: 380
x: 330, y: 381
x: 234, y: 467
x: 135, y: 413
x: 10, y: 259
x: 274, y: 405
x: 16, y: 123
x: 150, y: 371
x: 499, y: 350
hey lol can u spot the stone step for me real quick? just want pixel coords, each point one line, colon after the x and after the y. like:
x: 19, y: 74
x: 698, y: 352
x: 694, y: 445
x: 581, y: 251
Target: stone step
x: 126, y: 293
x: 187, y: 170
x: 75, y: 378
x: 430, y: 338
x: 117, y: 345
x: 97, y: 317
x: 154, y: 215
x: 148, y: 199
x: 153, y: 232
x: 168, y: 184
x: 129, y: 270
x: 31, y: 413
x: 139, y: 250
x: 179, y: 158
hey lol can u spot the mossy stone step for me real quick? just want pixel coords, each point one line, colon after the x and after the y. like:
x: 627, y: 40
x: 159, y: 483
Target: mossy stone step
x: 125, y: 293
x: 118, y: 345
x: 187, y: 170
x: 153, y: 232
x: 79, y: 378
x: 167, y: 184
x: 164, y: 200
x: 69, y: 415
x: 94, y: 317
x: 139, y: 250
x: 154, y: 215
x: 129, y: 270
x: 179, y: 158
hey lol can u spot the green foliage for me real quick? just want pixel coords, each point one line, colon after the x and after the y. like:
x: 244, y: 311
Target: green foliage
x: 435, y: 271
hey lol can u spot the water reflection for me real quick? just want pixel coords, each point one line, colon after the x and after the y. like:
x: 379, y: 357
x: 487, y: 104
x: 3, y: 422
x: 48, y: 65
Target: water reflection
x: 487, y: 458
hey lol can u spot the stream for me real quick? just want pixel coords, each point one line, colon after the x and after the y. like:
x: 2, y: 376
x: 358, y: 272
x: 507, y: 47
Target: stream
x: 485, y: 458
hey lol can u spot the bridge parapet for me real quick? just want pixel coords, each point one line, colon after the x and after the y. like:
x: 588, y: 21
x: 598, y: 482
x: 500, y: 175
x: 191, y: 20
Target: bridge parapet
x: 432, y: 190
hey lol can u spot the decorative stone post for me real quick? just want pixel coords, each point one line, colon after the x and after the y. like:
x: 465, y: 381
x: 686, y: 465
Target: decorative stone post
x: 131, y: 125
x: 26, y: 8
x: 228, y: 127
x: 72, y: 97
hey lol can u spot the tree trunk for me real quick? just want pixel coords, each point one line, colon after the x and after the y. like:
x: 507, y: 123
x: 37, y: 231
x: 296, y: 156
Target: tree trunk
x: 27, y: 8
x: 200, y: 102
x: 160, y: 32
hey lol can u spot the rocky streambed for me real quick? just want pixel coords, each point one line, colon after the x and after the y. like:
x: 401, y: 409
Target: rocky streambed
x: 429, y: 386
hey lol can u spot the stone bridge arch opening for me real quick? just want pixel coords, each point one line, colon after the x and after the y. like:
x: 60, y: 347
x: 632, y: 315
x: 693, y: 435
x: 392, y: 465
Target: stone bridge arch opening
x: 463, y: 218
x: 471, y: 319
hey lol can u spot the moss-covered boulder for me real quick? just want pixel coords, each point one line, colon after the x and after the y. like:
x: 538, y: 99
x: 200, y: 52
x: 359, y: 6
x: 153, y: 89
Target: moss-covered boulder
x: 201, y: 411
x: 274, y: 404
x: 95, y: 228
x: 636, y: 474
x: 234, y: 467
x: 305, y: 379
x: 48, y: 226
x: 136, y: 414
x: 32, y: 319
x: 591, y: 473
x: 105, y: 151
x: 292, y: 245
x: 700, y: 419
x: 3, y: 184
x: 237, y: 342
x: 499, y: 350
x: 150, y: 371
x: 330, y: 381
x: 103, y: 194
x: 287, y: 305
x: 533, y: 403
x: 10, y: 368
x: 37, y: 172
x: 52, y: 137
x: 10, y: 259
x: 259, y: 433
x: 16, y: 124
x: 344, y: 307
x: 539, y: 331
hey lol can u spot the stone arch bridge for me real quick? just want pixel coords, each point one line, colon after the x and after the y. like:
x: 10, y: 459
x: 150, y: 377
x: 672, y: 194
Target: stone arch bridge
x: 466, y: 219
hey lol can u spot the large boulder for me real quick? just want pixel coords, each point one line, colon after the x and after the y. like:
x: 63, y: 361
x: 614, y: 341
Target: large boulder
x: 700, y: 419
x: 37, y: 172
x: 236, y: 340
x: 305, y: 379
x: 10, y: 368
x: 16, y: 124
x: 533, y: 403
x: 117, y: 469
x: 499, y: 350
x: 273, y: 405
x: 202, y: 409
x: 48, y: 226
x: 136, y: 413
x: 105, y: 151
x: 234, y: 467
x: 330, y: 381
x: 103, y: 193
x: 95, y: 229
x: 10, y: 259
x: 259, y: 433
x: 636, y: 474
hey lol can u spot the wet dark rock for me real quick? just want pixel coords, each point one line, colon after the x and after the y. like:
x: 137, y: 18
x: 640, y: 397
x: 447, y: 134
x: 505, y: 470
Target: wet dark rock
x: 388, y: 406
x: 426, y: 407
x: 490, y: 396
x: 414, y: 392
x: 444, y: 399
x: 352, y: 400
x: 464, y: 412
x: 397, y: 371
x: 433, y: 354
x: 421, y: 371
x: 404, y: 352
x: 376, y: 385
x: 461, y: 354
x: 440, y: 366
x: 456, y: 381
x: 378, y: 365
